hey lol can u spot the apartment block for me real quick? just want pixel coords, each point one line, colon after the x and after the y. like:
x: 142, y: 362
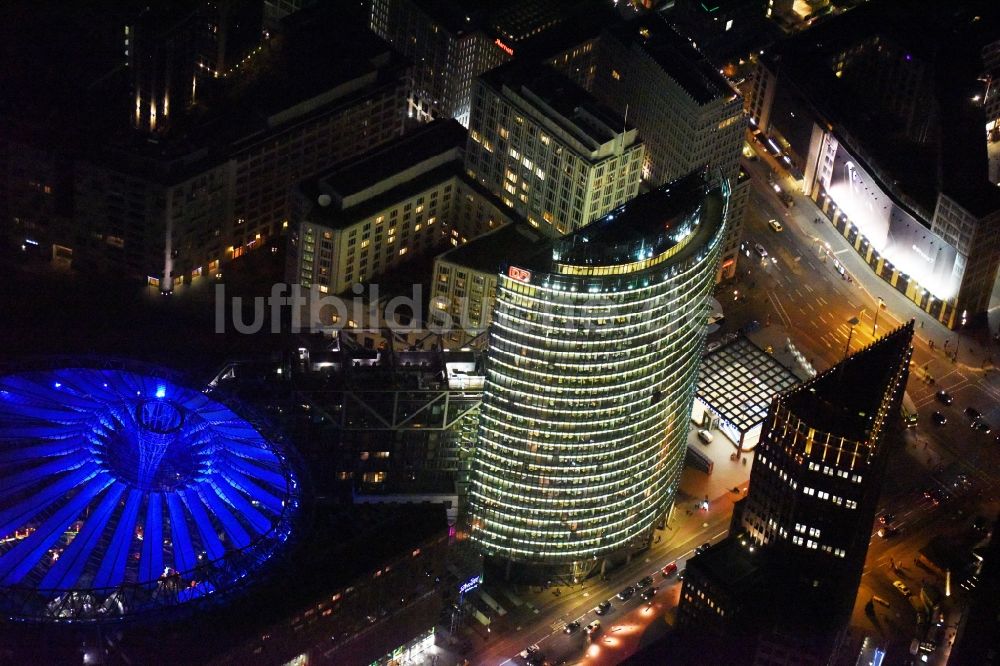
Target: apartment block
x: 544, y: 146
x: 688, y: 114
x: 369, y: 215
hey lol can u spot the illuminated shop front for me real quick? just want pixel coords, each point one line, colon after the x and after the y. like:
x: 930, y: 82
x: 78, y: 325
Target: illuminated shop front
x: 593, y: 358
x: 411, y: 653
x: 891, y: 239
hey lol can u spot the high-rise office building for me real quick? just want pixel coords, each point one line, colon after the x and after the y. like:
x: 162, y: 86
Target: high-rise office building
x: 593, y: 356
x: 545, y: 147
x: 800, y: 536
x: 820, y: 464
x: 688, y: 114
x: 449, y: 46
x: 451, y: 42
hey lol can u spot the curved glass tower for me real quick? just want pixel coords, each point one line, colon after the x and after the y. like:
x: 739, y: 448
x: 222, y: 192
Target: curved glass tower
x: 592, y: 362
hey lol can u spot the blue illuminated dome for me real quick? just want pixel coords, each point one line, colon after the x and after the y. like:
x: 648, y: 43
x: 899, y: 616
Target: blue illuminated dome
x: 121, y: 492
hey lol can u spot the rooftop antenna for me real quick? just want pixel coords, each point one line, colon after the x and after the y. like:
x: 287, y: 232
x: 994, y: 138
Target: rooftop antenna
x: 624, y: 127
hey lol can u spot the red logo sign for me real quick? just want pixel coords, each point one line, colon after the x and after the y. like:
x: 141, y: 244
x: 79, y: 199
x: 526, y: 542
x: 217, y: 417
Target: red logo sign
x: 519, y: 274
x: 503, y: 47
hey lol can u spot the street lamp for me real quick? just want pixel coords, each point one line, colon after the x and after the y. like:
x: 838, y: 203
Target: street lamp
x: 881, y: 306
x: 958, y: 334
x: 853, y: 321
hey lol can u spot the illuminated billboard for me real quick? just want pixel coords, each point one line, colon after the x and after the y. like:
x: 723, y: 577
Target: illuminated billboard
x: 892, y: 231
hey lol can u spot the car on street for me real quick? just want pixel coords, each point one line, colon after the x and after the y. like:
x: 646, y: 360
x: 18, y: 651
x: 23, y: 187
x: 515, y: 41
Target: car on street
x: 901, y: 587
x: 973, y: 413
x: 775, y: 225
x: 704, y: 435
x: 593, y: 627
x: 669, y: 570
x: 602, y: 607
x: 645, y: 582
x: 530, y: 651
x: 939, y: 419
x: 935, y: 495
x: 887, y: 532
x: 571, y: 627
x: 944, y: 397
x: 982, y: 426
x: 648, y: 593
x: 886, y: 518
x: 760, y: 250
x: 981, y: 524
x: 627, y: 593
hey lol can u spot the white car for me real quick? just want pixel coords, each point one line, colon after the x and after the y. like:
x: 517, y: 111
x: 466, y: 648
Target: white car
x: 705, y: 436
x: 760, y: 250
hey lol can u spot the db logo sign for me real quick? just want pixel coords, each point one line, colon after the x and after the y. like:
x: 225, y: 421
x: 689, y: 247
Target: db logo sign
x: 519, y: 274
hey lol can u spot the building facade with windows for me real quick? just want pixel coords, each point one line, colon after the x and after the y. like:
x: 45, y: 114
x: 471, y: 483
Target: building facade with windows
x: 465, y: 283
x: 821, y: 462
x: 593, y: 356
x: 688, y: 114
x: 449, y: 47
x: 781, y: 587
x: 542, y: 145
x: 369, y: 215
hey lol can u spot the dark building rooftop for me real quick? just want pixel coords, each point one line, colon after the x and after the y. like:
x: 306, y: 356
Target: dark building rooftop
x: 581, y: 115
x: 731, y: 566
x: 647, y: 225
x: 676, y: 56
x: 845, y: 399
x: 978, y: 638
x: 490, y: 251
x: 439, y: 138
x: 510, y: 20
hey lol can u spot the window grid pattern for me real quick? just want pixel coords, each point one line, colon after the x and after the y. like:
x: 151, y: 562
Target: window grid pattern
x: 584, y: 421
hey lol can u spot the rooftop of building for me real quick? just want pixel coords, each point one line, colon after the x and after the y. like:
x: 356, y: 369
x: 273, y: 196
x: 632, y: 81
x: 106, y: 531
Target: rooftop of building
x: 947, y: 38
x: 648, y: 225
x: 560, y: 100
x: 491, y: 251
x: 730, y: 565
x: 312, y: 62
x: 584, y: 21
x: 342, y: 366
x: 845, y: 399
x: 978, y: 637
x: 739, y: 380
x: 677, y: 57
x: 354, y: 175
x: 510, y: 20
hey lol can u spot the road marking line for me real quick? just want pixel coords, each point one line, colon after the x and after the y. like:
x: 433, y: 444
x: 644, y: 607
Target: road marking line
x: 809, y: 289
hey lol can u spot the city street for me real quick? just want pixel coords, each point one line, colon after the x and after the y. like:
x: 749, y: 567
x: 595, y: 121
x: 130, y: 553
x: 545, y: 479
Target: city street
x: 547, y: 612
x: 806, y: 291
